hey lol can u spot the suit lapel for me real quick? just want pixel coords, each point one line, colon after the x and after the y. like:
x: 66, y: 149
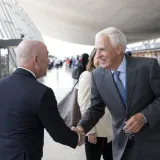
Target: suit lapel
x: 112, y: 89
x: 131, y: 72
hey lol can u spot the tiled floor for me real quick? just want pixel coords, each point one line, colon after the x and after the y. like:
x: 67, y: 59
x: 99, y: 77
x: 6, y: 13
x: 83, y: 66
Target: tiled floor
x: 61, y: 83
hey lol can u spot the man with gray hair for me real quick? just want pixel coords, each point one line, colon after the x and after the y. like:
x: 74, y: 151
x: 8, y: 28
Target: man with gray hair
x: 130, y: 88
x: 27, y: 107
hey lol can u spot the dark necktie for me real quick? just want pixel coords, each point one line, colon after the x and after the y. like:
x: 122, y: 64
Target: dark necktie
x: 120, y: 86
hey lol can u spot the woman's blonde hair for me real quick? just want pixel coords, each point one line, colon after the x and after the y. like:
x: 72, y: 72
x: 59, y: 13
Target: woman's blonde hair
x: 90, y: 65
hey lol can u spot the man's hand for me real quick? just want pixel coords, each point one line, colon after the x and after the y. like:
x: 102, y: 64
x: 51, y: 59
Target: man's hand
x: 81, y: 133
x: 92, y: 138
x: 134, y: 124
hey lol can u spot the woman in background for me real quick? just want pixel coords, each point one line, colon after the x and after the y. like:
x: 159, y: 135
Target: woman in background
x: 98, y: 139
x: 81, y: 66
x: 83, y: 63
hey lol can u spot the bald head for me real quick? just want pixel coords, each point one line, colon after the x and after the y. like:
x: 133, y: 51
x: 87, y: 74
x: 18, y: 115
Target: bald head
x: 27, y: 49
x: 33, y: 55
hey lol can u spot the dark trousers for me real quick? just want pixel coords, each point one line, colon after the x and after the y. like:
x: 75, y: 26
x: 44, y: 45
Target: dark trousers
x: 136, y: 151
x: 131, y: 151
x: 101, y: 148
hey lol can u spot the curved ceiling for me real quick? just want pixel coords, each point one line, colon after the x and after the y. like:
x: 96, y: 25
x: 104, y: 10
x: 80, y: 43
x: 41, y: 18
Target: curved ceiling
x: 78, y: 21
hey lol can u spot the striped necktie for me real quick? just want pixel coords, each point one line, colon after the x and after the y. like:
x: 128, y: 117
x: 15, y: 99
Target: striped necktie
x: 120, y: 86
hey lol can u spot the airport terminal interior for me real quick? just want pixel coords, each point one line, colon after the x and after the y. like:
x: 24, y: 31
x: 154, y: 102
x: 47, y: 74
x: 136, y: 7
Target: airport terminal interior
x: 68, y: 28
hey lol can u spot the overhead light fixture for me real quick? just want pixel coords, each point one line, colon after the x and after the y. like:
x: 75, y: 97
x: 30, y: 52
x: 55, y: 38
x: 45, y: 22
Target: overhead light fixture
x: 145, y: 42
x: 158, y: 40
x: 151, y: 41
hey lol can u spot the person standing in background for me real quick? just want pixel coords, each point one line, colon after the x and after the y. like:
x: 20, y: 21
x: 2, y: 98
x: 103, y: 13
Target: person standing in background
x: 98, y: 141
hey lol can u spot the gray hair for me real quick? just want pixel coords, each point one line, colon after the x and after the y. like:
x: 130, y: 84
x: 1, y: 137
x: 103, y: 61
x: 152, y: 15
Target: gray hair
x: 115, y: 35
x: 26, y: 50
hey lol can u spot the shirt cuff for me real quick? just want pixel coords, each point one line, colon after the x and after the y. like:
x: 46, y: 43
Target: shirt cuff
x: 79, y: 138
x: 145, y: 120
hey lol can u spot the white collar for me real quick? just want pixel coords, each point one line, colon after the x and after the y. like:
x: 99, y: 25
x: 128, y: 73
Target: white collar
x: 122, y: 67
x: 28, y: 71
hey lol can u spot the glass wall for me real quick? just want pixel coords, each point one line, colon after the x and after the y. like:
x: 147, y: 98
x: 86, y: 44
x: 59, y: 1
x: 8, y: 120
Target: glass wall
x: 4, y: 58
x: 14, y: 24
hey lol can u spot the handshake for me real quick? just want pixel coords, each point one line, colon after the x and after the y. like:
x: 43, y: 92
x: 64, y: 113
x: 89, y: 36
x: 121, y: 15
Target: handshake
x: 81, y: 134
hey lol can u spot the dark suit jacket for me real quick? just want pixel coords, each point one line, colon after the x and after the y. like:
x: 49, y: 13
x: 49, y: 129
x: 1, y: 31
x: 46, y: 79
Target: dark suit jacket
x: 26, y: 108
x: 143, y: 95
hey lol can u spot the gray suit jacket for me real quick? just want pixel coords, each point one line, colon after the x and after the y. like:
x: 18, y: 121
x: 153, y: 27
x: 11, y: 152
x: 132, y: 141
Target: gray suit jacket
x: 143, y: 95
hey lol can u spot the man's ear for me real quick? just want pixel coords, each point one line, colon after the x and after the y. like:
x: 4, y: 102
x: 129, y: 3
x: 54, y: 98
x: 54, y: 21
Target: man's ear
x: 35, y: 59
x: 120, y: 49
